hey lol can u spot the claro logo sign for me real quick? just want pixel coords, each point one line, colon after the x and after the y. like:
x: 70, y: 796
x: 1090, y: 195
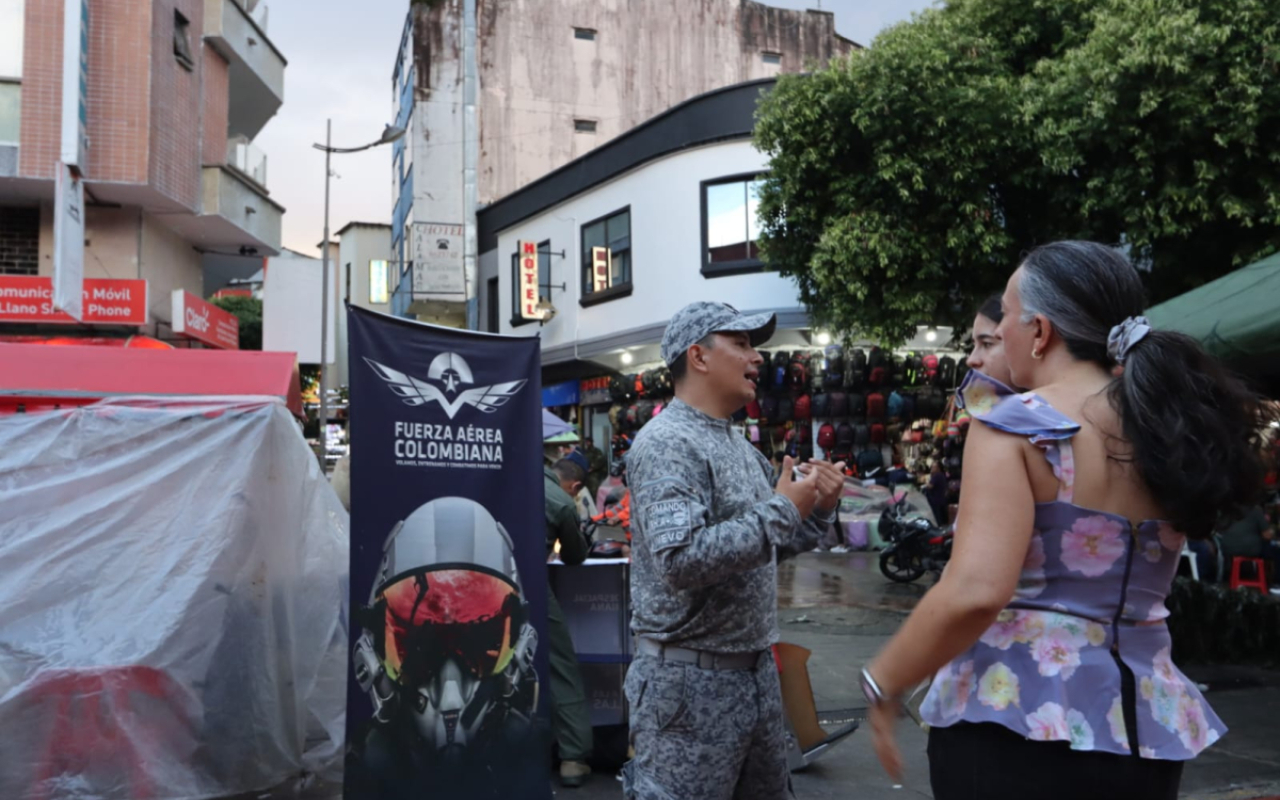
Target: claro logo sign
x: 195, y: 319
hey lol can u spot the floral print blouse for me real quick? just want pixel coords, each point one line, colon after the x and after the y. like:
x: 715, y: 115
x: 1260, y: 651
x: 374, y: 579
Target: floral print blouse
x: 1091, y: 595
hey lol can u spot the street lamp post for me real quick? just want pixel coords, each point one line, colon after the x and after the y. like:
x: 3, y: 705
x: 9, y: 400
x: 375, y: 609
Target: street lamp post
x: 389, y: 134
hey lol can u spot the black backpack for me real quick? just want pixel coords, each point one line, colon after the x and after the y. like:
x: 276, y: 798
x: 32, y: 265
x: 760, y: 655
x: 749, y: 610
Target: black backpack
x: 870, y: 460
x: 817, y: 373
x: 833, y: 373
x: 620, y: 388
x: 875, y: 359
x: 857, y: 405
x: 765, y: 378
x: 855, y: 369
x: 781, y: 361
x: 947, y: 372
x: 786, y: 409
x: 820, y: 406
x: 862, y: 434
x: 839, y: 405
x: 769, y: 407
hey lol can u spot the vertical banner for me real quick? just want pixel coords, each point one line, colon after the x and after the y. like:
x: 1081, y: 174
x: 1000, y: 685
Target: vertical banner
x: 68, y: 243
x: 448, y: 565
x: 528, y: 256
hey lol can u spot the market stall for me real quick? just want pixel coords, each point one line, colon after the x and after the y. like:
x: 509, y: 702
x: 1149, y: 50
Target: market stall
x: 172, y: 605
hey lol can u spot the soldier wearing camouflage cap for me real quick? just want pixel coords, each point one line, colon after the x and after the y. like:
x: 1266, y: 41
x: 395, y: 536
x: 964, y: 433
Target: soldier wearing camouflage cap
x: 707, y: 532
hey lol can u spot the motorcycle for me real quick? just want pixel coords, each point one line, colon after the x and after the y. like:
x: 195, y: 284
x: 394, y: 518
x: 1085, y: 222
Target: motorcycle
x: 914, y: 546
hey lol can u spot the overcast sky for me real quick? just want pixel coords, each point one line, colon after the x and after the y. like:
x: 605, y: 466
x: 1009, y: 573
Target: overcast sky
x: 341, y: 55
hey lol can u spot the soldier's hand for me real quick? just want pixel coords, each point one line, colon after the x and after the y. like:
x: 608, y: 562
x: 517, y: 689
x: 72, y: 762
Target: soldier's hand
x: 830, y: 481
x: 802, y: 493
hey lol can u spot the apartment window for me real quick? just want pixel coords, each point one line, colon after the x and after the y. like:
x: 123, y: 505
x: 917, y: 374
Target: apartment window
x: 585, y: 34
x: 182, y: 40
x: 730, y: 227
x: 379, y: 282
x: 613, y: 233
x: 12, y: 33
x: 584, y: 125
x: 544, y: 280
x: 772, y: 58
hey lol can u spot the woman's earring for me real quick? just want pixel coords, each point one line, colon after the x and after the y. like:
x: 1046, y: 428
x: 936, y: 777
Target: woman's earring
x: 1036, y: 354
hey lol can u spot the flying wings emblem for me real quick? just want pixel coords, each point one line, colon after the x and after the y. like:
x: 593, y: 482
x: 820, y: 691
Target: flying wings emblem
x: 415, y: 392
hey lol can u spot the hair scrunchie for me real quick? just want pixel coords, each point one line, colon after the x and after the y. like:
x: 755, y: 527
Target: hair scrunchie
x: 1125, y: 335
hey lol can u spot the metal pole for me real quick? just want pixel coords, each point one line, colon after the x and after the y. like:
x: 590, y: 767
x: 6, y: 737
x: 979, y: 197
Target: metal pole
x: 324, y: 305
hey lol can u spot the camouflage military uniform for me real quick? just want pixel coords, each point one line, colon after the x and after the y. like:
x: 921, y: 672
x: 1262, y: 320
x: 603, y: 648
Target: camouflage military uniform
x: 707, y: 534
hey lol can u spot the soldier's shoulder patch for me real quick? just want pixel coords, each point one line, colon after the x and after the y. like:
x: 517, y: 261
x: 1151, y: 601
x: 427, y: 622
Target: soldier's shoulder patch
x: 668, y: 524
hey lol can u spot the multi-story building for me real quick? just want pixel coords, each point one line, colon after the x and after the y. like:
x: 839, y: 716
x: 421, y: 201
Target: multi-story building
x: 549, y: 82
x: 174, y: 93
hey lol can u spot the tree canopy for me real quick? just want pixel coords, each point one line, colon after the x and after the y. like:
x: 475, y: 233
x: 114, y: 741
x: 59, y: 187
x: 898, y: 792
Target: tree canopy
x: 249, y: 311
x: 906, y: 180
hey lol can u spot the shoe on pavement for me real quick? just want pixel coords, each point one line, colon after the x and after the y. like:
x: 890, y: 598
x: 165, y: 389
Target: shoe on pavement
x: 839, y: 549
x: 573, y: 774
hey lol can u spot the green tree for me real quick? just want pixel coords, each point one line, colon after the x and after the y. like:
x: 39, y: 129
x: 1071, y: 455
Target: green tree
x: 907, y: 179
x: 249, y: 311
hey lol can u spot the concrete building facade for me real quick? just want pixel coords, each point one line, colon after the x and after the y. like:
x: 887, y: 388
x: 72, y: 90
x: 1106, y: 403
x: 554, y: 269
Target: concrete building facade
x: 554, y: 80
x: 176, y: 91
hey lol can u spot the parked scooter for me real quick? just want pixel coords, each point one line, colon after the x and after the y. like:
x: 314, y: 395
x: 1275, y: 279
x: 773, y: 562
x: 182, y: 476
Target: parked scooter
x: 914, y: 546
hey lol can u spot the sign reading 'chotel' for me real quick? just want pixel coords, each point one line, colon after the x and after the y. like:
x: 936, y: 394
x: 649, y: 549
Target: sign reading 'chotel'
x: 106, y: 301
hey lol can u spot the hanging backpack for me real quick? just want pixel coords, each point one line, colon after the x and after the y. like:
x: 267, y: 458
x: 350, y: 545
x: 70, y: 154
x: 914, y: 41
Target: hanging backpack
x: 786, y: 409
x: 649, y: 383
x: 962, y: 372
x: 910, y: 369
x: 845, y: 437
x: 781, y: 360
x: 664, y: 384
x: 827, y: 436
x: 833, y: 369
x: 644, y: 412
x: 877, y: 433
x: 798, y: 371
x: 875, y: 406
x: 821, y: 406
x: 876, y: 376
x: 769, y: 407
x: 931, y: 369
x: 894, y: 405
x: 753, y: 409
x: 803, y: 408
x: 855, y: 372
x: 764, y: 378
x: 857, y: 405
x: 894, y: 369
x: 870, y: 460
x: 947, y: 372
x: 908, y: 407
x: 620, y: 388
x: 862, y: 435
x: 839, y: 405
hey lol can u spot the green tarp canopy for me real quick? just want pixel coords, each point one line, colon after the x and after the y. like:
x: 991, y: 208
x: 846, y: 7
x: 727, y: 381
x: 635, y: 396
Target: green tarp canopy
x: 1236, y: 318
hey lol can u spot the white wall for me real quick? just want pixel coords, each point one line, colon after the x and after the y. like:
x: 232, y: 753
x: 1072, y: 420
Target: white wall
x: 291, y: 308
x: 666, y: 247
x: 360, y: 244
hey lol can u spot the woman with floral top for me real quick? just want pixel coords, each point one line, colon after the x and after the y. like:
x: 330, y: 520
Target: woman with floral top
x: 1047, y: 631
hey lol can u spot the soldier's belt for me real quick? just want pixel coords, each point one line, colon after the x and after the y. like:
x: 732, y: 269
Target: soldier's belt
x: 699, y: 658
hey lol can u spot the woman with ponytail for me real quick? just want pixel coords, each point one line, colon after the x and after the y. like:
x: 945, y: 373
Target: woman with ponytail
x: 1047, y: 631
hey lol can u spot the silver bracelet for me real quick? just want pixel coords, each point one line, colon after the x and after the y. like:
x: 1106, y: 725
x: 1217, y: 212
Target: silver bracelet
x: 874, y: 694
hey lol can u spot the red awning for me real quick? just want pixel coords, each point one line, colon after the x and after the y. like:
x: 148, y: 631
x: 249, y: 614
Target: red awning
x: 42, y: 377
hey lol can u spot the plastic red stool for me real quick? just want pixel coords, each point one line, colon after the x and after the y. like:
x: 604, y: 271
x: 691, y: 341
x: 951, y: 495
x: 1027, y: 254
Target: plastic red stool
x: 1259, y: 579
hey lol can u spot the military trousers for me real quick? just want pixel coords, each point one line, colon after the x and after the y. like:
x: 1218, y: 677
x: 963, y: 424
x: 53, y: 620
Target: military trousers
x: 571, y: 716
x: 703, y: 734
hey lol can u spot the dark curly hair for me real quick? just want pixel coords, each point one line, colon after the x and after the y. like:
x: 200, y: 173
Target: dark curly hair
x: 1191, y: 425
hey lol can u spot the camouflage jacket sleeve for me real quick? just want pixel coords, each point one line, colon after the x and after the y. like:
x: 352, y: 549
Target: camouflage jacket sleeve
x: 688, y: 549
x: 810, y: 533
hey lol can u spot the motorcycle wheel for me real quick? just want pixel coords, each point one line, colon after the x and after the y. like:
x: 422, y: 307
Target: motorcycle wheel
x: 899, y: 566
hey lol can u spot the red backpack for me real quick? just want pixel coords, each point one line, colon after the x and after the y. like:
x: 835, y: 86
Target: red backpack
x: 827, y: 436
x: 875, y: 406
x: 803, y: 410
x: 877, y: 434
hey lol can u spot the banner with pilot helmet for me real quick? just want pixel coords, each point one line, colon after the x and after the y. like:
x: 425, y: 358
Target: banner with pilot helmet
x: 448, y: 689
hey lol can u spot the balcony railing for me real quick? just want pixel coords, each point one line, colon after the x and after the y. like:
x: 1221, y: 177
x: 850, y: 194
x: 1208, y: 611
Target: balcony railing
x: 248, y: 160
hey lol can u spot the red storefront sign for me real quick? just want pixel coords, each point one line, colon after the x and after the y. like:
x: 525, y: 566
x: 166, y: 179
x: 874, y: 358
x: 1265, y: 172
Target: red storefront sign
x: 107, y: 301
x: 204, y: 322
x: 528, y: 255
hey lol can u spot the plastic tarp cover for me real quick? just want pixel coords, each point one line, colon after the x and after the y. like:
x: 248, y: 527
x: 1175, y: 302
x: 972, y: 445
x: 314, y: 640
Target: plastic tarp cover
x: 172, y: 602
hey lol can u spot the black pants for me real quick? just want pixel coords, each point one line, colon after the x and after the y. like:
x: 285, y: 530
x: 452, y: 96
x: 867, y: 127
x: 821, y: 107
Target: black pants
x: 985, y: 761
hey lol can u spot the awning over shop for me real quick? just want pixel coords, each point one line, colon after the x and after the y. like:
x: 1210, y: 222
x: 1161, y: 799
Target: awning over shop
x: 37, y: 376
x: 1236, y: 318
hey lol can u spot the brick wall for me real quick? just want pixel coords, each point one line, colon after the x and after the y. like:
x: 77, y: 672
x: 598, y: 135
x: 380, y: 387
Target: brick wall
x: 41, y: 89
x: 119, y: 111
x: 217, y: 99
x: 19, y: 241
x: 175, y: 104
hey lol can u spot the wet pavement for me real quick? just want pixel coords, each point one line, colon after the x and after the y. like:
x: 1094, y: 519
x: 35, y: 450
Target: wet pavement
x: 843, y: 610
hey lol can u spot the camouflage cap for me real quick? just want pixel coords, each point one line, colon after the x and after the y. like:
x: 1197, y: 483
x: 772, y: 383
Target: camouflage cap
x: 696, y: 321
